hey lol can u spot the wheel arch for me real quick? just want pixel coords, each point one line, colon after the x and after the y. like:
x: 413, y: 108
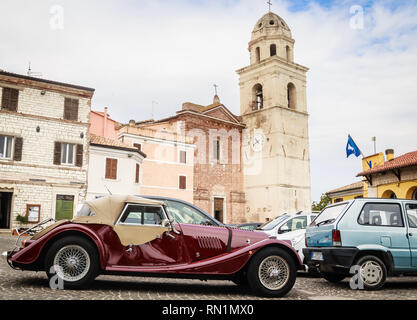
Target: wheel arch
x: 384, y: 256
x: 288, y: 250
x: 78, y: 233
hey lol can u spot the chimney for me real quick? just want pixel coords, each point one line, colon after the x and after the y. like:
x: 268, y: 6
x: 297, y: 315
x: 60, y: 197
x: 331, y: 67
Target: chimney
x: 389, y: 154
x: 132, y: 123
x: 105, y: 123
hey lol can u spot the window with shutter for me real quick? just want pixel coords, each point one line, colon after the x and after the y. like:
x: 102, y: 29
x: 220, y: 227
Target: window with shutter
x: 6, y: 144
x: 137, y: 173
x: 183, y: 182
x: 71, y: 109
x: 10, y: 99
x: 68, y: 153
x: 111, y: 169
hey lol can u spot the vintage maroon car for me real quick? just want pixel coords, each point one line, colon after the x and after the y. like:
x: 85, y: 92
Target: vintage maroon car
x: 127, y: 235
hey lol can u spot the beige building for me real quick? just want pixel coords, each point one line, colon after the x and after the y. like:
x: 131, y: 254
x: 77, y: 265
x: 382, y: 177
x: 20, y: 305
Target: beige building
x: 43, y: 148
x: 167, y: 169
x: 274, y: 109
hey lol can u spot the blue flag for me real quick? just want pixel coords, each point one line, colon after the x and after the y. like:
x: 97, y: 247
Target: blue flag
x: 352, y: 148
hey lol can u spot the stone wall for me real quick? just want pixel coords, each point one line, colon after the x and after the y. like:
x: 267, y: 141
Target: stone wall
x: 36, y: 180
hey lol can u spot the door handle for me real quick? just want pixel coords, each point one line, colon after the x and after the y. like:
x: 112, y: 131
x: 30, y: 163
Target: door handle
x: 410, y: 234
x: 169, y: 235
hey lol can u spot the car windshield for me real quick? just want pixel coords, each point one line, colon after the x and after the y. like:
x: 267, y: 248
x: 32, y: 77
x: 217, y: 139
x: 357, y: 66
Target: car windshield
x: 183, y: 213
x: 329, y: 214
x: 272, y: 224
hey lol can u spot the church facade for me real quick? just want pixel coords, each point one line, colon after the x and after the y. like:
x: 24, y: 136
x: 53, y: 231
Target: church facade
x: 255, y: 166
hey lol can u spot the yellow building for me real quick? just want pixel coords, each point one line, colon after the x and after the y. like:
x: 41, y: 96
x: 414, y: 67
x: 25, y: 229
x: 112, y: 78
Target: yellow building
x: 383, y: 177
x: 395, y: 178
x: 349, y: 192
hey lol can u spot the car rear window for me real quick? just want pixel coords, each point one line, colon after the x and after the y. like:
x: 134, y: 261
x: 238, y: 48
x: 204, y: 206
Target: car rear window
x: 272, y: 224
x: 381, y: 214
x: 84, y: 210
x: 329, y: 214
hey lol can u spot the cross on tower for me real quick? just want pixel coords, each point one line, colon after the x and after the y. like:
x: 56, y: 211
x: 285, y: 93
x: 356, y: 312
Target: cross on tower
x: 215, y: 88
x: 269, y: 4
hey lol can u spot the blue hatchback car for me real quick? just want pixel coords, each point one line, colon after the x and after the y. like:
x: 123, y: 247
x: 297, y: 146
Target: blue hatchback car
x: 371, y: 238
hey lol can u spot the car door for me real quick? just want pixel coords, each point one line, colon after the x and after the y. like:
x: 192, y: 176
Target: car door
x: 293, y: 228
x: 144, y: 238
x: 203, y: 238
x: 383, y: 224
x: 411, y: 212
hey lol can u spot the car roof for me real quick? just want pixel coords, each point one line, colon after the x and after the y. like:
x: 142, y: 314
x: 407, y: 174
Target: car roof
x: 107, y: 209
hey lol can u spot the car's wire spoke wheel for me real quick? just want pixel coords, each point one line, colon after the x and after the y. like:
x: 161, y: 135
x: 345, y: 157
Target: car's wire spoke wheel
x: 274, y: 272
x: 371, y: 273
x: 72, y: 263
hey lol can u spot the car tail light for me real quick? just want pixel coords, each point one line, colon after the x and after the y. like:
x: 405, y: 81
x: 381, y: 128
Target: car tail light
x: 337, y: 239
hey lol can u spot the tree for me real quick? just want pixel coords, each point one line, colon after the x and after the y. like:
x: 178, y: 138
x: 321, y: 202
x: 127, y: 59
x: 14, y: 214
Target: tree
x: 324, y: 202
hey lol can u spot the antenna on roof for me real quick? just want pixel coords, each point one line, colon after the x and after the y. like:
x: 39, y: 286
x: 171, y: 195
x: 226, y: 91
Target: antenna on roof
x: 33, y: 74
x: 108, y: 190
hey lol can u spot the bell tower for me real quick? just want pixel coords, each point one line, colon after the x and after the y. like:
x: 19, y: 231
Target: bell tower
x: 273, y: 106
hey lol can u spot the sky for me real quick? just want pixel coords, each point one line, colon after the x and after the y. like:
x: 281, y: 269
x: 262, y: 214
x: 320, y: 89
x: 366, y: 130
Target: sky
x: 362, y: 57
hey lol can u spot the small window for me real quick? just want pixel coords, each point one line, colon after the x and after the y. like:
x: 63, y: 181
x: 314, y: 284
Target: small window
x: 153, y: 215
x: 111, y: 169
x: 412, y: 215
x: 273, y: 50
x: 271, y: 22
x: 183, y: 182
x: 183, y: 157
x: 6, y: 144
x: 133, y: 215
x: 216, y: 149
x: 10, y: 98
x: 291, y: 96
x: 142, y: 215
x: 71, y: 109
x: 67, y: 153
x: 381, y: 214
x: 258, y: 97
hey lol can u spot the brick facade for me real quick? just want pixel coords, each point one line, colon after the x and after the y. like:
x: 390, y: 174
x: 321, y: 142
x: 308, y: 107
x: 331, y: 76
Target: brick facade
x: 216, y: 182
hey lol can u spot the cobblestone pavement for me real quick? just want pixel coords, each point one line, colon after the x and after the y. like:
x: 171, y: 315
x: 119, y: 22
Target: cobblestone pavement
x: 32, y: 285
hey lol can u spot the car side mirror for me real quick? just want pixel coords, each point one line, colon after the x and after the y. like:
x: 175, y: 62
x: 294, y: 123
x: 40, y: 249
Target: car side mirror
x: 284, y: 229
x: 166, y: 223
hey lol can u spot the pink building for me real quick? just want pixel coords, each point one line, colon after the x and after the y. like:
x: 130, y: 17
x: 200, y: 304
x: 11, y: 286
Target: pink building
x: 102, y: 125
x: 168, y: 169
